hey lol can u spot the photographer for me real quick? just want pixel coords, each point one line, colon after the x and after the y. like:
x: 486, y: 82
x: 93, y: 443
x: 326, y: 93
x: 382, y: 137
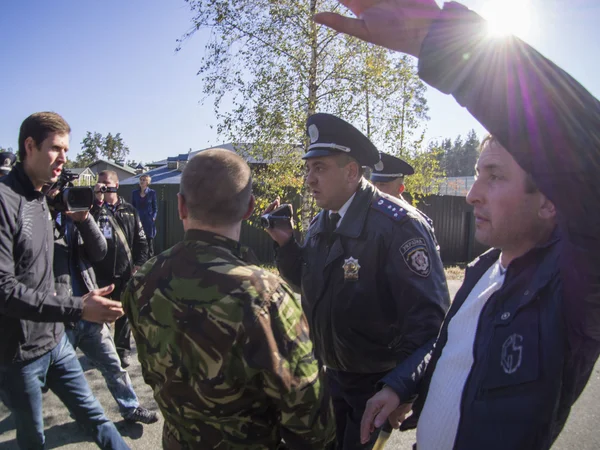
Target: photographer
x: 127, y: 248
x: 77, y: 243
x: 34, y: 350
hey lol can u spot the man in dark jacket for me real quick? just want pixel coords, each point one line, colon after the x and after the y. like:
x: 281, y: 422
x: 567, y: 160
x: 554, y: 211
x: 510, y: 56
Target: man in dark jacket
x: 373, y: 285
x: 34, y: 350
x: 78, y: 242
x: 127, y: 249
x: 522, y: 336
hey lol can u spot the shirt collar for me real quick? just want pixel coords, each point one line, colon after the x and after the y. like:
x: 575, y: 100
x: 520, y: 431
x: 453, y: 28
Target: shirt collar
x: 344, y: 209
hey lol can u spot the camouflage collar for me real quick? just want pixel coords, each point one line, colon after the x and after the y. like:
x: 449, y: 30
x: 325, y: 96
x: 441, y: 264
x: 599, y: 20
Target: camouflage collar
x: 211, y: 238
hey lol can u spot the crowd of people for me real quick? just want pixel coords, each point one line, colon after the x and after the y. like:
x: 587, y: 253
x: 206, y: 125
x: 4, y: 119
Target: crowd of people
x: 358, y: 331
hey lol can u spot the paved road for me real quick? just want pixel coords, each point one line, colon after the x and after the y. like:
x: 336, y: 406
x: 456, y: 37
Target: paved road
x: 582, y: 431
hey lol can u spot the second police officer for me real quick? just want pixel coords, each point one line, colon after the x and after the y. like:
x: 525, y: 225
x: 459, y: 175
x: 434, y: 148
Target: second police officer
x: 372, y: 282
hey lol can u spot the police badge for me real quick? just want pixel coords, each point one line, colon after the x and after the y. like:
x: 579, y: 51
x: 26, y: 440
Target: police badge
x: 416, y: 256
x: 351, y: 268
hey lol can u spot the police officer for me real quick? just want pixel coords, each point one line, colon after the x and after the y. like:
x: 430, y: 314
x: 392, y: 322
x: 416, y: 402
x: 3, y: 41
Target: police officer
x: 7, y: 161
x: 372, y: 282
x: 388, y: 176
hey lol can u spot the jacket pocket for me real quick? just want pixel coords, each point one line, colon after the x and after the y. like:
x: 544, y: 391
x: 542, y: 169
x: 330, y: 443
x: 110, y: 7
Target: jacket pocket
x: 513, y: 357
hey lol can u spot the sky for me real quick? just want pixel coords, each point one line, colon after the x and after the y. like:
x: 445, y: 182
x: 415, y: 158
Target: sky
x: 111, y: 66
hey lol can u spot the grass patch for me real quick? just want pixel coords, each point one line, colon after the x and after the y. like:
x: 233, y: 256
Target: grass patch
x: 455, y: 272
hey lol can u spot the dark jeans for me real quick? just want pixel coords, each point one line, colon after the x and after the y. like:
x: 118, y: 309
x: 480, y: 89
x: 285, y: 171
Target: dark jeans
x: 96, y: 342
x: 349, y: 394
x: 59, y: 369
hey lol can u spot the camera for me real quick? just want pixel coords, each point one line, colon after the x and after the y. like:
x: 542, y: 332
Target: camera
x: 103, y: 189
x: 69, y: 197
x: 279, y: 215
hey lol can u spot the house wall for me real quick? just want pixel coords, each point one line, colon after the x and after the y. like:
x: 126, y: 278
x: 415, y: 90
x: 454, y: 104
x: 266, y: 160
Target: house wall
x: 100, y: 166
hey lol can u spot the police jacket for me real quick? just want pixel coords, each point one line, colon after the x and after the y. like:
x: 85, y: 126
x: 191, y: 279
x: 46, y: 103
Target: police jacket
x: 76, y: 246
x: 31, y: 315
x: 375, y: 290
x: 121, y: 256
x: 539, y: 335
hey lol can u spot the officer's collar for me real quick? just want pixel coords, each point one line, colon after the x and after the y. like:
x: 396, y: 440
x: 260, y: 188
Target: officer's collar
x: 215, y: 239
x: 356, y: 214
x: 19, y: 173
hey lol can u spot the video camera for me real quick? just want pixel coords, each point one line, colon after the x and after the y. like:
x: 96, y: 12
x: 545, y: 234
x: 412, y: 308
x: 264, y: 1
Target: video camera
x: 69, y: 197
x: 103, y: 189
x: 281, y: 214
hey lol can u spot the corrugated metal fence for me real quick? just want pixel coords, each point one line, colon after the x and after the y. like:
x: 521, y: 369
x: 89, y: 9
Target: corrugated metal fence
x: 452, y: 218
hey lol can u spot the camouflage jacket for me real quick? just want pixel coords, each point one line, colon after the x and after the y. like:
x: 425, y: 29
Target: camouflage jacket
x: 225, y: 347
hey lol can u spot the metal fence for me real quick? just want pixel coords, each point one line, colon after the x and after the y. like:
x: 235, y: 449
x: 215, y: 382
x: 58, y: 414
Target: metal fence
x: 452, y: 218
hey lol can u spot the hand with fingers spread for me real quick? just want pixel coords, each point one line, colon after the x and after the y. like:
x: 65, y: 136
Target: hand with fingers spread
x: 396, y: 24
x: 283, y: 231
x: 382, y: 405
x: 97, y: 308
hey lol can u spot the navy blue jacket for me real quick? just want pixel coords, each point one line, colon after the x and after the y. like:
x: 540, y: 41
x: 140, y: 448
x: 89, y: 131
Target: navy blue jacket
x: 538, y: 336
x: 368, y: 316
x: 147, y: 208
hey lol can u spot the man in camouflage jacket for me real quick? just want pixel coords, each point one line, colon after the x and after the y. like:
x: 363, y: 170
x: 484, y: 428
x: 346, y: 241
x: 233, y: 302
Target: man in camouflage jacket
x: 224, y: 344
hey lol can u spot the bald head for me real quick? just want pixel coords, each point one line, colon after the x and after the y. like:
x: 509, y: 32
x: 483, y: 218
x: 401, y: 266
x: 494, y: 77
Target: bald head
x: 216, y: 186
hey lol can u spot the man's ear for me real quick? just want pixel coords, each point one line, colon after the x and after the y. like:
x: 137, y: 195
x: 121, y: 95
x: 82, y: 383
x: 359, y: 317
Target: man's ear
x: 250, y: 210
x: 401, y: 189
x: 353, y: 171
x: 181, y: 207
x: 547, y: 209
x: 30, y: 145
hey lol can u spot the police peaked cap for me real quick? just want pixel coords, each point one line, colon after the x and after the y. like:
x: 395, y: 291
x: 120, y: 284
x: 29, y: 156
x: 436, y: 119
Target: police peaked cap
x: 392, y: 169
x: 330, y: 135
x: 7, y: 160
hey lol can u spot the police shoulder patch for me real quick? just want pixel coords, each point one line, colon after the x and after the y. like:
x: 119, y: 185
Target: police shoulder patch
x: 415, y: 254
x: 389, y: 208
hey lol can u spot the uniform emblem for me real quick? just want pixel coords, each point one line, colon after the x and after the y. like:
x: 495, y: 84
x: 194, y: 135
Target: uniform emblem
x: 416, y: 256
x: 512, y: 353
x: 7, y: 162
x: 351, y: 268
x: 313, y: 133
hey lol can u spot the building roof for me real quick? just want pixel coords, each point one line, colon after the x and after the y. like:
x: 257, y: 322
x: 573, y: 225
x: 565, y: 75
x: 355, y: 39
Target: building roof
x: 161, y: 174
x: 124, y: 167
x: 79, y: 170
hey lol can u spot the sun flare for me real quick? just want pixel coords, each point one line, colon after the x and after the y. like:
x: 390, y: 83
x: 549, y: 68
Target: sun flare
x: 508, y: 17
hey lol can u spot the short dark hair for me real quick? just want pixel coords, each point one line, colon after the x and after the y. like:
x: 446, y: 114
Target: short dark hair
x: 530, y: 185
x: 216, y: 185
x: 110, y: 173
x: 38, y: 126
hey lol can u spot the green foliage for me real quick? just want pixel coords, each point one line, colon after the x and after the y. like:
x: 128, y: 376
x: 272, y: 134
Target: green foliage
x: 458, y: 158
x: 268, y: 66
x: 95, y: 146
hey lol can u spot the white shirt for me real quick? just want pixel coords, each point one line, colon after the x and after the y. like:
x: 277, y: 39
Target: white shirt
x: 438, y: 423
x: 343, y: 210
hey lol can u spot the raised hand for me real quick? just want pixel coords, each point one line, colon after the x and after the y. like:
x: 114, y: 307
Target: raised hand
x: 396, y: 24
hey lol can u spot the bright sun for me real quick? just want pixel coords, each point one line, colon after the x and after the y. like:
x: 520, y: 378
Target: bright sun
x: 508, y: 17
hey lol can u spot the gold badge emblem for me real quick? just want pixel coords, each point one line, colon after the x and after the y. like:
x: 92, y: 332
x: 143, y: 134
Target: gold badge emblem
x: 351, y: 268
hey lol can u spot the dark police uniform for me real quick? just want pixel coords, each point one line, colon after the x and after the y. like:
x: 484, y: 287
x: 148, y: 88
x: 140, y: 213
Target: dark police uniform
x: 373, y: 290
x: 390, y: 168
x: 7, y: 161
